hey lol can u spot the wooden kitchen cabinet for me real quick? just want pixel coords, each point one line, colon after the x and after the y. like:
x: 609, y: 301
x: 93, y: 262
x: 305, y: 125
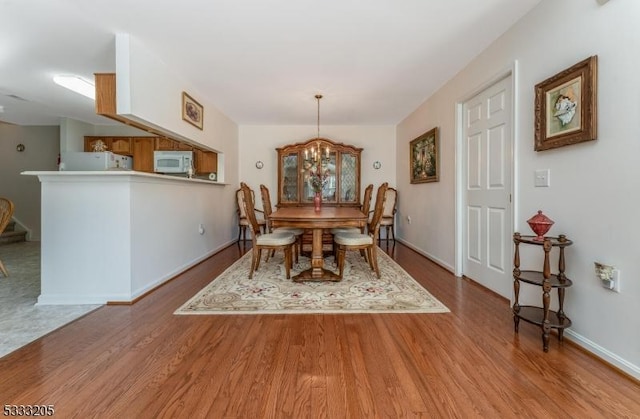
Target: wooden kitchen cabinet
x: 165, y: 144
x: 90, y: 142
x: 118, y: 145
x: 142, y: 152
x: 121, y: 145
x: 205, y: 161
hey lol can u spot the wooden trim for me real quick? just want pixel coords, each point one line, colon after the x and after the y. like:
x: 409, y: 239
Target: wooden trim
x: 105, y: 94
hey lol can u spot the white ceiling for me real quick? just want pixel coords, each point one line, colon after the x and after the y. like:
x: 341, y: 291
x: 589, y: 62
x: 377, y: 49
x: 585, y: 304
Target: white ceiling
x: 258, y: 61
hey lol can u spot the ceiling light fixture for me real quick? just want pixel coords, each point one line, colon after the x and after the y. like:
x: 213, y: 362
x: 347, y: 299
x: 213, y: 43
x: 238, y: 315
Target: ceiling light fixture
x: 313, y: 156
x: 77, y: 84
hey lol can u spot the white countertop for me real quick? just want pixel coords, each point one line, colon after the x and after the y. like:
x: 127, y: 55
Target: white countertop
x: 120, y: 173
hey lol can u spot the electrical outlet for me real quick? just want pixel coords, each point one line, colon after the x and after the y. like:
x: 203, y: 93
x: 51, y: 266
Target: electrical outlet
x: 609, y: 276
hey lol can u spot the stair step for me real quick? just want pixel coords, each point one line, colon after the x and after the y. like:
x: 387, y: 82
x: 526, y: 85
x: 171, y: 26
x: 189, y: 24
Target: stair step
x: 13, y: 237
x: 11, y: 226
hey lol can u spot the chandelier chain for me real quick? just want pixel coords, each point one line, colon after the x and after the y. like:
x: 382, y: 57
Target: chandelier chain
x: 318, y: 97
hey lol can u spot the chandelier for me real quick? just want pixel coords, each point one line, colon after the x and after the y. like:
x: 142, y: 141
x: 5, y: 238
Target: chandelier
x: 313, y: 156
x: 316, y: 162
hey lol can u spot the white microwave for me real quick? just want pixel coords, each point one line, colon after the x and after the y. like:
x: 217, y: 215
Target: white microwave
x: 172, y: 161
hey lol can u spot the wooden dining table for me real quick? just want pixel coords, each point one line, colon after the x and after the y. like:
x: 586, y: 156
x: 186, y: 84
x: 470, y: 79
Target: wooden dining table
x: 317, y: 221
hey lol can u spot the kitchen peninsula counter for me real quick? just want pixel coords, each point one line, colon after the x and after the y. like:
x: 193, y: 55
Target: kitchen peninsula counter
x: 119, y: 172
x: 112, y: 236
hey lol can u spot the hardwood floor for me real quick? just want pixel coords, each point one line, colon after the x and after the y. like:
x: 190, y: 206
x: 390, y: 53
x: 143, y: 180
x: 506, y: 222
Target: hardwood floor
x: 142, y: 361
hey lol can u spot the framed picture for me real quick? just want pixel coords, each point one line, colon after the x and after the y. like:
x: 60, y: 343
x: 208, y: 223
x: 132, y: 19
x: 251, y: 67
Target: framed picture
x: 565, y: 107
x: 192, y: 111
x: 424, y: 157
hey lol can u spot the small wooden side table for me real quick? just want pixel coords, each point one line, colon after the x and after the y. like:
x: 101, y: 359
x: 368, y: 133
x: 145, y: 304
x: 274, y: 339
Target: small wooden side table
x: 542, y: 316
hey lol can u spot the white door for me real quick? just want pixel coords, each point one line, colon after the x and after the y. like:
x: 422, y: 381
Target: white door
x: 487, y: 162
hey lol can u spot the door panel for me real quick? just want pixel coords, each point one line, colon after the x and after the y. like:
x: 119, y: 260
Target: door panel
x: 495, y: 240
x: 474, y: 233
x: 488, y: 221
x: 474, y: 164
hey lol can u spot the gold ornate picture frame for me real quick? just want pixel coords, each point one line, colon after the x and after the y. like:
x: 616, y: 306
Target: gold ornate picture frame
x: 566, y: 105
x: 192, y: 111
x: 424, y: 158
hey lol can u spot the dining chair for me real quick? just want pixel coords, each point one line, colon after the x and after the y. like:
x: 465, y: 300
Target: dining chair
x: 364, y: 241
x: 389, y: 214
x: 269, y: 241
x: 243, y: 223
x: 267, y: 210
x: 366, y: 201
x: 6, y: 212
x: 366, y: 205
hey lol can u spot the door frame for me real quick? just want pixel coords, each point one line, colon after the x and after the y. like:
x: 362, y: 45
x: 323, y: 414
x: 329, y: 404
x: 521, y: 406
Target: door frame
x: 460, y: 195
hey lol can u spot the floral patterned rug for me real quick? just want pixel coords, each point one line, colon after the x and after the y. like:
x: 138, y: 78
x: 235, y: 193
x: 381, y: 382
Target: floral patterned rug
x: 270, y: 293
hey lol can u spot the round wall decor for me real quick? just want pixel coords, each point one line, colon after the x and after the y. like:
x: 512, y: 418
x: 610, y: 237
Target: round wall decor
x: 259, y: 164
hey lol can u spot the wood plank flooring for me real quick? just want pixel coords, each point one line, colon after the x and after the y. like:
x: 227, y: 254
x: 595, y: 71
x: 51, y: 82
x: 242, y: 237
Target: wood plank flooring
x: 141, y: 361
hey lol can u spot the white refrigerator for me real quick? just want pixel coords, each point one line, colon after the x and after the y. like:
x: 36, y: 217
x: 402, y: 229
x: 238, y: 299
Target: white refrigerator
x: 101, y: 160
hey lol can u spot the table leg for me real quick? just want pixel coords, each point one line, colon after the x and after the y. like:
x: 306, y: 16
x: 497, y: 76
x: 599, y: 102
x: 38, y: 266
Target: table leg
x: 317, y: 261
x: 317, y: 271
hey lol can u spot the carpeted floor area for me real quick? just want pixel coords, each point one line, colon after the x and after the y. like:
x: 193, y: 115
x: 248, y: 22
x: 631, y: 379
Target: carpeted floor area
x: 21, y: 321
x: 269, y: 292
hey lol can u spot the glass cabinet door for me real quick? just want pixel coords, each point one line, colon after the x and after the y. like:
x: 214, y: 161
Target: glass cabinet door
x: 290, y: 178
x: 320, y: 173
x: 318, y: 164
x: 329, y: 190
x: 348, y: 178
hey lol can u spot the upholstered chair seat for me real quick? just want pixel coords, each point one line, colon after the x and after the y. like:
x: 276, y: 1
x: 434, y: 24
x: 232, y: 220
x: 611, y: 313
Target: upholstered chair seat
x: 268, y: 241
x: 276, y: 239
x: 389, y: 214
x: 363, y: 241
x: 267, y: 210
x: 345, y: 230
x: 243, y: 222
x: 353, y: 239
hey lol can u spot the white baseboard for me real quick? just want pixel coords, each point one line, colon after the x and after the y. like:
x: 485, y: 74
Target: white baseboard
x: 590, y: 346
x: 428, y: 256
x: 604, y: 354
x: 140, y: 292
x: 76, y: 299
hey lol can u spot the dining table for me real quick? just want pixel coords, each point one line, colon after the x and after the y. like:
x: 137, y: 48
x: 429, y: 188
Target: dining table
x: 308, y: 218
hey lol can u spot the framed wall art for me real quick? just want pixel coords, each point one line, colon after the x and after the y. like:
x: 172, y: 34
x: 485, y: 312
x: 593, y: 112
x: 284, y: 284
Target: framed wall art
x: 565, y: 106
x: 192, y: 111
x: 424, y: 157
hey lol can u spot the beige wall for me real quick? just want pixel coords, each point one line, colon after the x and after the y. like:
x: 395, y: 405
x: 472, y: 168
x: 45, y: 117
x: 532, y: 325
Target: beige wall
x: 260, y: 143
x: 594, y: 185
x: 42, y: 145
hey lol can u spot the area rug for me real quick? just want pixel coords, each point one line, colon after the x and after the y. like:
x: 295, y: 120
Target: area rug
x: 270, y: 293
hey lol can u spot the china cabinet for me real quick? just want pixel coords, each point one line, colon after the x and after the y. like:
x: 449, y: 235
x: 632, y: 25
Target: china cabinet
x: 543, y: 316
x: 337, y: 166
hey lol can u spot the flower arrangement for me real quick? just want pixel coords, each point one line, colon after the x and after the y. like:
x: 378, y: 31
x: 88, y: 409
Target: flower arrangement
x: 318, y: 178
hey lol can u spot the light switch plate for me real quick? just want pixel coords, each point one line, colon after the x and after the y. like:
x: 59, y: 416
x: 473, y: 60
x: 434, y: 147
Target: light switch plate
x: 541, y: 178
